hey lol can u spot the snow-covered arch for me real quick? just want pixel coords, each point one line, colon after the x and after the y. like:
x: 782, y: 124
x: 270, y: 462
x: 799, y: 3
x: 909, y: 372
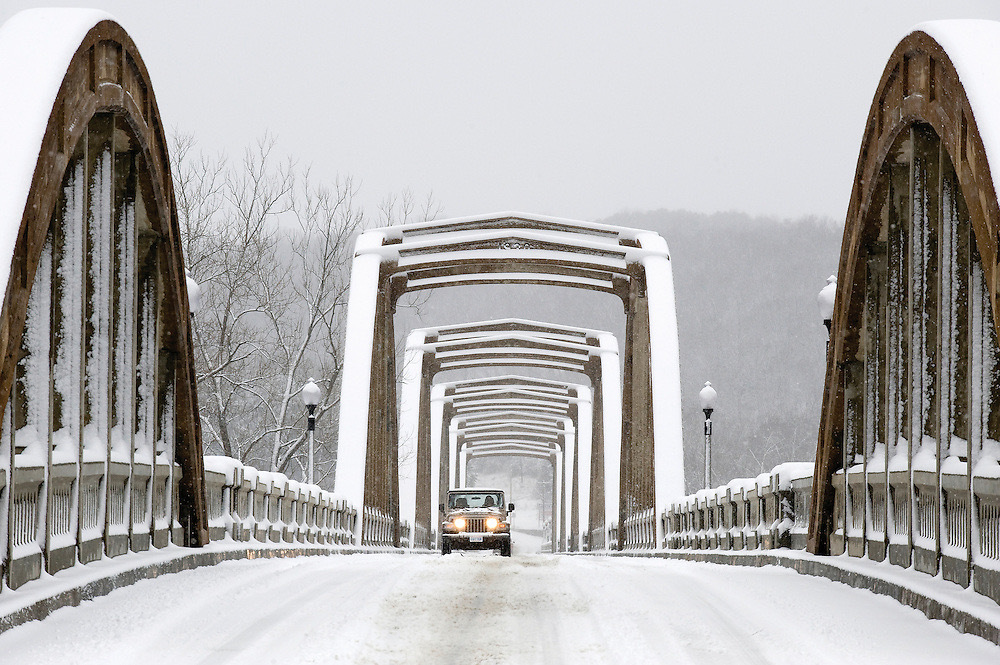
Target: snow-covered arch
x: 514, y: 400
x: 548, y: 420
x: 558, y: 440
x: 505, y: 404
x: 531, y: 344
x: 911, y: 398
x: 512, y: 248
x: 97, y: 379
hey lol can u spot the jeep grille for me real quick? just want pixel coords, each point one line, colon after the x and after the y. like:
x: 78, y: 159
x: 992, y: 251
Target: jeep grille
x: 475, y: 524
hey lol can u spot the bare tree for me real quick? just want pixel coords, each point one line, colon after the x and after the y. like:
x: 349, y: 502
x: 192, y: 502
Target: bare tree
x: 272, y: 251
x: 306, y: 328
x: 228, y: 224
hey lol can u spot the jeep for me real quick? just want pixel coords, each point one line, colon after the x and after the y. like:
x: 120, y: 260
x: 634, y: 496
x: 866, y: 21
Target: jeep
x: 476, y: 519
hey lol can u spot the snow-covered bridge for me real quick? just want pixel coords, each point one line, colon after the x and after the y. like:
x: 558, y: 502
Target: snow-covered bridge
x: 104, y: 479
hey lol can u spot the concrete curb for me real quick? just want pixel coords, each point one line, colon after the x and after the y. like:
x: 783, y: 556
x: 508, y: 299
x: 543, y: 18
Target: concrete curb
x: 933, y: 608
x: 196, y: 559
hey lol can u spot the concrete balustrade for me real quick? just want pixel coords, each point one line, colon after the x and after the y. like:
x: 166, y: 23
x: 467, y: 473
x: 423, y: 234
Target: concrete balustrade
x: 379, y: 527
x: 64, y: 514
x: 242, y: 502
x: 955, y: 533
x: 766, y: 512
x: 640, y: 530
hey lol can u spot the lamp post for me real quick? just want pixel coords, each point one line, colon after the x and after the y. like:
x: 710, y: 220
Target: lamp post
x: 311, y: 395
x: 708, y: 397
x: 825, y: 301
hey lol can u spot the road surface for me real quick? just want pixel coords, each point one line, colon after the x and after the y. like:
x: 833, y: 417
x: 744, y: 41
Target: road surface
x: 477, y: 608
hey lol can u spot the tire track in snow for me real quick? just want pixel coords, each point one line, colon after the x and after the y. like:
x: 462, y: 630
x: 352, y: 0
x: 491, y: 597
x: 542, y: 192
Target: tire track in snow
x: 475, y: 610
x: 303, y: 602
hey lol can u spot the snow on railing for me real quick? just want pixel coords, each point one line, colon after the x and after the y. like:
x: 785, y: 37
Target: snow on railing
x: 242, y: 502
x: 766, y: 512
x: 876, y: 517
x: 244, y: 505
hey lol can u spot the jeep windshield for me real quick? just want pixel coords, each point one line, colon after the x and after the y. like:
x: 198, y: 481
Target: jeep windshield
x: 461, y: 500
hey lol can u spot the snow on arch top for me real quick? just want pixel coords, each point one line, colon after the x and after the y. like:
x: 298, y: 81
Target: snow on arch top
x: 973, y: 46
x: 36, y: 48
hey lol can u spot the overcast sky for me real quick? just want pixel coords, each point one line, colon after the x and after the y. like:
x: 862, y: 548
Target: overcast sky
x: 575, y: 109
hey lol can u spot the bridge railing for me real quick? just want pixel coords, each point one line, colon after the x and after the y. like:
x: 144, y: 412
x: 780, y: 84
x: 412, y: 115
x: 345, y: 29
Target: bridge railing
x: 766, y: 512
x: 950, y: 518
x: 945, y: 523
x: 639, y: 530
x: 245, y: 504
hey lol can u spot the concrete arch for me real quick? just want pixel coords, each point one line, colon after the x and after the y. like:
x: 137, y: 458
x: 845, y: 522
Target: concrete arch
x: 558, y: 481
x: 98, y: 197
x: 558, y: 440
x: 484, y: 344
x: 568, y: 415
x: 512, y: 248
x: 924, y: 170
x: 550, y: 423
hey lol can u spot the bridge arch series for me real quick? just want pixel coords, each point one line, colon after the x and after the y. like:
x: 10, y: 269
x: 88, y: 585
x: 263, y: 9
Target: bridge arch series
x: 516, y: 342
x: 553, y: 420
x: 910, y: 425
x: 97, y: 380
x: 512, y: 248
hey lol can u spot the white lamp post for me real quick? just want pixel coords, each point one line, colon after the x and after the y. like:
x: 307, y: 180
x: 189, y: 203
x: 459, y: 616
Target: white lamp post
x: 311, y: 396
x: 708, y: 397
x: 825, y: 301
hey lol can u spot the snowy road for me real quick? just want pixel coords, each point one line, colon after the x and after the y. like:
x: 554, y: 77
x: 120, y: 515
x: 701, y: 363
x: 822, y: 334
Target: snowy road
x: 433, y: 610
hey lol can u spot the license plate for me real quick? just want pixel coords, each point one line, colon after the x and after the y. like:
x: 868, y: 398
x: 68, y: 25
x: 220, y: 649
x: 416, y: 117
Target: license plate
x: 475, y: 539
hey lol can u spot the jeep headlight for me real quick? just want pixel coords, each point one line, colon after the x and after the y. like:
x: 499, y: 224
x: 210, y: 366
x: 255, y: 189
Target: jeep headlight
x: 492, y: 523
x: 459, y: 523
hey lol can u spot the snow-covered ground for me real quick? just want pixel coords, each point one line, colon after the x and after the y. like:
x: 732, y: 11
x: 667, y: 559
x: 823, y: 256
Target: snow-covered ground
x: 478, y: 608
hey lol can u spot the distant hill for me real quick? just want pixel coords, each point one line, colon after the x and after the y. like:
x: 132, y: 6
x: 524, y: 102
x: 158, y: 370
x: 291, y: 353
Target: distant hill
x: 747, y: 320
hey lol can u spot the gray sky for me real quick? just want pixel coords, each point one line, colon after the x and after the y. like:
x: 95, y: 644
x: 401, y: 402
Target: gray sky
x: 576, y: 109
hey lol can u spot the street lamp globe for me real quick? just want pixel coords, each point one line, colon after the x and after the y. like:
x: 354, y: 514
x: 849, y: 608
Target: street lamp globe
x: 311, y: 394
x: 825, y: 301
x: 194, y: 294
x: 708, y: 396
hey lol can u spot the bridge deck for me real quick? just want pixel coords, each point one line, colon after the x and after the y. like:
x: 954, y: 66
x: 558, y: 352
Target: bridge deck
x: 481, y: 609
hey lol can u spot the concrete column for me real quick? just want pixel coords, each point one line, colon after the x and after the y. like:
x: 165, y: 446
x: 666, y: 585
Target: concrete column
x: 445, y: 472
x: 452, y: 457
x: 424, y: 514
x: 584, y: 440
x: 382, y: 459
x: 463, y: 468
x: 437, y: 466
x: 627, y: 492
x: 612, y: 428
x: 362, y: 311
x: 597, y: 499
x: 574, y: 521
